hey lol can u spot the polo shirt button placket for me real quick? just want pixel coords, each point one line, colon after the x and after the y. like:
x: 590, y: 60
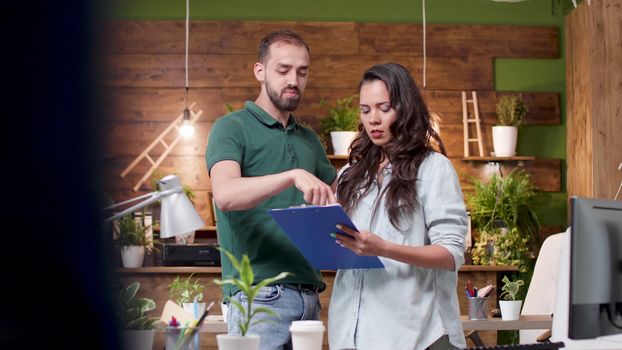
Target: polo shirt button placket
x: 290, y: 149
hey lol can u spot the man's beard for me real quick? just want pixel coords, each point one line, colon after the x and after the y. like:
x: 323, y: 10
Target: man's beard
x: 284, y: 103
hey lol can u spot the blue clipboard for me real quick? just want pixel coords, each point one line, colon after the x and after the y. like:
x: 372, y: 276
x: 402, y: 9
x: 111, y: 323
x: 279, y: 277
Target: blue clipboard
x: 309, y: 227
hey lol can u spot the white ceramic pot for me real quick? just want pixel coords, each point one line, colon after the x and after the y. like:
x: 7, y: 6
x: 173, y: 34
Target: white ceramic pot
x: 341, y: 140
x: 138, y: 339
x: 510, y: 309
x: 237, y: 342
x: 133, y: 256
x: 189, y: 307
x: 504, y: 140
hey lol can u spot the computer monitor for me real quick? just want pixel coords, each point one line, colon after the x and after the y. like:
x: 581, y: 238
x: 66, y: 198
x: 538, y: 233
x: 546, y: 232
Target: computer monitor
x: 595, y: 268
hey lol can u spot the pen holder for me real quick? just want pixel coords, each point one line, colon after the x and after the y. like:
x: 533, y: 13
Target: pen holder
x: 172, y: 338
x: 477, y: 308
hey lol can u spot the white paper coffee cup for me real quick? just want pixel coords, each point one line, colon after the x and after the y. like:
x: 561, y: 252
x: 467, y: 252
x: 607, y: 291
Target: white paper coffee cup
x: 307, y: 335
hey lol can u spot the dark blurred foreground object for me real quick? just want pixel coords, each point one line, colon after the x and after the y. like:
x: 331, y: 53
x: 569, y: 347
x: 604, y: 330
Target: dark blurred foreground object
x: 56, y: 281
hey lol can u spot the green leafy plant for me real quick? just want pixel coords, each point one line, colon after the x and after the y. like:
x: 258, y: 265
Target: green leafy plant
x: 189, y: 193
x: 511, y: 110
x: 233, y: 106
x: 131, y: 233
x: 186, y: 291
x: 510, y: 288
x: 156, y: 176
x: 502, y: 246
x: 132, y: 311
x: 247, y: 285
x: 342, y: 116
x: 507, y: 225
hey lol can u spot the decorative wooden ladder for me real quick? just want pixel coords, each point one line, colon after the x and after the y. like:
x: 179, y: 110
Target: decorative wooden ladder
x: 173, y: 127
x: 475, y: 119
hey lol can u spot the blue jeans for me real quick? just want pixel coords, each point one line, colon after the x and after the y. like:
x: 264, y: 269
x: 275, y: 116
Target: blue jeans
x: 290, y: 303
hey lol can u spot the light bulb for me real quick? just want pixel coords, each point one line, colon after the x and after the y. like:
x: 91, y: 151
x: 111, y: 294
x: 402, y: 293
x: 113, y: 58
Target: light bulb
x: 187, y: 129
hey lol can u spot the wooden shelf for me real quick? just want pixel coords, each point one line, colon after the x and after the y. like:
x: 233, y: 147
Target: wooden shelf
x: 169, y: 269
x: 481, y: 268
x: 337, y: 157
x: 496, y: 324
x: 205, y: 228
x: 518, y: 159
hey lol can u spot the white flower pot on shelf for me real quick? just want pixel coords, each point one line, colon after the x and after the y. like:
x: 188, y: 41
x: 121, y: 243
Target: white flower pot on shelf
x: 138, y: 339
x: 510, y: 309
x: 504, y: 140
x: 341, y: 141
x: 237, y: 342
x: 132, y: 256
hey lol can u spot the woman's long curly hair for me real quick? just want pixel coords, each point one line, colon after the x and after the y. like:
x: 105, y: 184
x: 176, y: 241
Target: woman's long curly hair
x: 413, y: 139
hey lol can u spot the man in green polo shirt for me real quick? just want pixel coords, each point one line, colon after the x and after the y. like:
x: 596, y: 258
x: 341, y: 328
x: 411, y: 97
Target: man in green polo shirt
x: 260, y: 158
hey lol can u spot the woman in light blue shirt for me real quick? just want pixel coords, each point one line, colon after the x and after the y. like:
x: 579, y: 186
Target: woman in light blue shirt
x: 405, y: 198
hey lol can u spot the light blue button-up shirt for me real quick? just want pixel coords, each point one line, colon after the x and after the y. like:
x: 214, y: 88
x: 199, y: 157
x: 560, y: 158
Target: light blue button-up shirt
x: 404, y: 306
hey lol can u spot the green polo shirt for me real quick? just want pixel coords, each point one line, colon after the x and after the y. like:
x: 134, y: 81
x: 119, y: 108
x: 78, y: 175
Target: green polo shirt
x: 262, y: 146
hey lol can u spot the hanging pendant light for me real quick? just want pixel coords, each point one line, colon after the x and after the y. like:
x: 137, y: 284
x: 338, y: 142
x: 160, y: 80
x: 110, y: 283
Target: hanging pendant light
x: 187, y: 127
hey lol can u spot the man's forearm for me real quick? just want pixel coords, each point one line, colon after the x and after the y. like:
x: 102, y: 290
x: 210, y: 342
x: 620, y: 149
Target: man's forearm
x: 246, y: 192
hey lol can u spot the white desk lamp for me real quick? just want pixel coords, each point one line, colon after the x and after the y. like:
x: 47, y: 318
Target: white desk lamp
x: 177, y: 214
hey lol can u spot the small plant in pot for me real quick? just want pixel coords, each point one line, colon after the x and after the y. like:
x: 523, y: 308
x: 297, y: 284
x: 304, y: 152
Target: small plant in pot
x: 510, y: 307
x: 511, y: 112
x: 138, y: 328
x: 132, y: 241
x: 188, y: 294
x: 341, y: 124
x: 250, y: 288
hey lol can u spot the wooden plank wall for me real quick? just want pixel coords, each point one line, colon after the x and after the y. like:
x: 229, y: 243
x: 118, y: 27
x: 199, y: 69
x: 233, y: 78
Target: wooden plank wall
x: 142, y: 81
x: 593, y: 104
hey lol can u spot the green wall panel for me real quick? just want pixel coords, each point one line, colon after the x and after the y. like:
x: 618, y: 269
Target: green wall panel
x: 532, y: 12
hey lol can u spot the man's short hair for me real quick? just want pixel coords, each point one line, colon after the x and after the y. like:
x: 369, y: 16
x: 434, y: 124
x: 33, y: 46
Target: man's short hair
x: 285, y: 36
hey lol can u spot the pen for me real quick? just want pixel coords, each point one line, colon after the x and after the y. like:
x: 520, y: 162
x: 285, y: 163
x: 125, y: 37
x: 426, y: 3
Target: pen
x: 484, y: 292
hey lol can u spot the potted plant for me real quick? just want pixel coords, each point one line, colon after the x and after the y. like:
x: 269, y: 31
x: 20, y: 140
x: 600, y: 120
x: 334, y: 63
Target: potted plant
x: 131, y: 241
x: 511, y: 112
x: 188, y: 294
x: 507, y: 226
x: 138, y: 329
x: 341, y: 124
x: 510, y: 307
x: 250, y: 288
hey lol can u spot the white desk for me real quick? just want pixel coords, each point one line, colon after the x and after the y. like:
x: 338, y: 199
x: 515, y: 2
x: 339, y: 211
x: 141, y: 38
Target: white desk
x: 497, y: 324
x: 216, y: 324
